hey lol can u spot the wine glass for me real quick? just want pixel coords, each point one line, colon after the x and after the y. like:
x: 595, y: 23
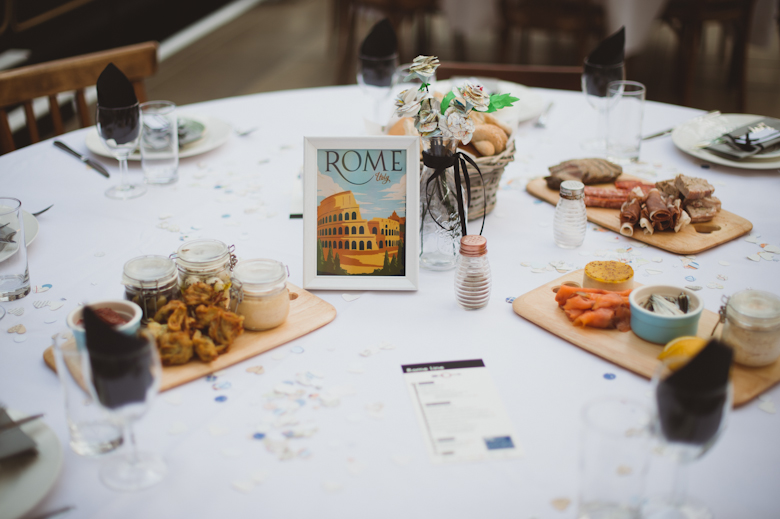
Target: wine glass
x: 687, y: 424
x: 595, y: 79
x: 375, y: 77
x: 124, y: 385
x: 120, y: 131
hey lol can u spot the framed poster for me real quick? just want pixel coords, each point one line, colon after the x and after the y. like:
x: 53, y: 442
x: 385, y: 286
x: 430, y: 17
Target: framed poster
x: 361, y: 213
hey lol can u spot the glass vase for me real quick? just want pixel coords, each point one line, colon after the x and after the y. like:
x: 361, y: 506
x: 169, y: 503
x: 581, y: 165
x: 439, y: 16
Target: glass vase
x: 440, y: 226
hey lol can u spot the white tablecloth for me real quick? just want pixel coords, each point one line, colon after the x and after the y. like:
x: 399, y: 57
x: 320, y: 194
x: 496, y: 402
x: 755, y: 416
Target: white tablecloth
x: 363, y: 464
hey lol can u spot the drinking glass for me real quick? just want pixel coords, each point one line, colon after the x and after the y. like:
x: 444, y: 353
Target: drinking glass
x: 124, y: 385
x: 595, y: 79
x: 160, y: 142
x: 375, y: 77
x: 625, y: 110
x: 14, y: 274
x: 687, y: 424
x: 120, y: 131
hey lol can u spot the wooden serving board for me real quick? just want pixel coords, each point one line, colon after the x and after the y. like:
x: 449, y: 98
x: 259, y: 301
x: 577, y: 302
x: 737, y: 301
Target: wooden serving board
x: 307, y: 313
x: 692, y: 239
x: 625, y: 348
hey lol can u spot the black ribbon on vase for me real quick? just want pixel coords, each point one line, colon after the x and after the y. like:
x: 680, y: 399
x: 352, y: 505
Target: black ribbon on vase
x: 440, y: 164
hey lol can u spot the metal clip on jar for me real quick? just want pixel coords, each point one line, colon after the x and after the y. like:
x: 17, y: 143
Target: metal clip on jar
x: 571, y: 220
x: 472, y: 278
x: 260, y: 293
x: 208, y: 261
x: 752, y: 327
x: 150, y: 282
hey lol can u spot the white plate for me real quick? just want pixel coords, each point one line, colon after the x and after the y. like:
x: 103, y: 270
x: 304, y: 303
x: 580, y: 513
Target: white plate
x: 216, y: 134
x: 30, y: 232
x: 690, y: 135
x: 529, y: 106
x: 25, y: 481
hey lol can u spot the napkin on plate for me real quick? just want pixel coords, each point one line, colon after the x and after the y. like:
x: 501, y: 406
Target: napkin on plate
x: 610, y: 51
x: 13, y: 441
x: 748, y: 141
x: 114, y: 90
x: 120, y: 363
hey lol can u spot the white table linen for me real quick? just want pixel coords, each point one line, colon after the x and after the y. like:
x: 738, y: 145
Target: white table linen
x: 364, y: 465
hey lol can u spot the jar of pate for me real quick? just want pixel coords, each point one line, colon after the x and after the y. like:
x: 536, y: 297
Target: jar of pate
x: 260, y: 293
x: 208, y: 261
x: 752, y: 327
x: 150, y: 282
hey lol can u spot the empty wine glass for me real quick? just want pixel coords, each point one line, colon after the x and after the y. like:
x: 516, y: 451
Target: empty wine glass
x: 120, y: 131
x: 375, y: 77
x: 595, y: 79
x: 124, y: 385
x: 687, y: 424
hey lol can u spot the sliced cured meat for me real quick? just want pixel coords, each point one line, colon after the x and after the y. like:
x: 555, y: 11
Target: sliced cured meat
x: 629, y: 216
x: 608, y: 203
x: 629, y: 185
x: 656, y: 207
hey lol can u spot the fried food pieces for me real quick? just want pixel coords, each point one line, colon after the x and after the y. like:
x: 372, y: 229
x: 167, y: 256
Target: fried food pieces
x: 195, y: 326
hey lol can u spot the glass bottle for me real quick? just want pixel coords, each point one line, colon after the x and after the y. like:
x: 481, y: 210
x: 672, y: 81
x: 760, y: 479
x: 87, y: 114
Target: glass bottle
x: 440, y: 230
x: 208, y: 261
x: 473, y: 279
x: 150, y: 282
x: 752, y: 327
x: 260, y: 293
x: 571, y: 220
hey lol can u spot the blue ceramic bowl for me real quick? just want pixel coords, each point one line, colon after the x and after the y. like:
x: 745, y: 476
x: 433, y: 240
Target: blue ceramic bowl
x: 127, y: 309
x: 661, y: 329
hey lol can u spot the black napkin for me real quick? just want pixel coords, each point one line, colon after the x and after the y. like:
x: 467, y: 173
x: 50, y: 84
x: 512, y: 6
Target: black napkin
x: 381, y: 42
x: 691, y: 400
x: 14, y: 442
x: 114, y: 90
x: 750, y: 140
x: 610, y: 51
x: 120, y: 363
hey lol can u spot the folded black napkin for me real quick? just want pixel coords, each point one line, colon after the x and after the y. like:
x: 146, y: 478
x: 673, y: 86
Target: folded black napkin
x: 748, y: 141
x: 114, y: 90
x: 691, y: 400
x: 120, y: 363
x: 13, y: 441
x: 610, y: 51
x: 381, y: 42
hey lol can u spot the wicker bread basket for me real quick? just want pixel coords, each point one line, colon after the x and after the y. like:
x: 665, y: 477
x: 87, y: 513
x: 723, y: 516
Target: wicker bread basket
x: 492, y: 167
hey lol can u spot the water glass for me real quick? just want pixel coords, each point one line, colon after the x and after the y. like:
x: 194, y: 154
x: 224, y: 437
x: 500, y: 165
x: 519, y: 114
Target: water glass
x: 91, y: 431
x: 14, y: 275
x: 625, y: 108
x: 614, y: 452
x: 160, y: 142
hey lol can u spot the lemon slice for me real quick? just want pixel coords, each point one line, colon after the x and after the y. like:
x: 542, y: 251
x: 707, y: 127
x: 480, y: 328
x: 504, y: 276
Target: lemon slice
x: 686, y: 347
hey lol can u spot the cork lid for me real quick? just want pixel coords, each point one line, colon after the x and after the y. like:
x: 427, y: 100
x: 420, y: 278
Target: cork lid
x: 473, y: 245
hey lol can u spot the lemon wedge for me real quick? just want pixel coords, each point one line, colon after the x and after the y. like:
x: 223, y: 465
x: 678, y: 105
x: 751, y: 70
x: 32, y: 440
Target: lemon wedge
x: 686, y: 347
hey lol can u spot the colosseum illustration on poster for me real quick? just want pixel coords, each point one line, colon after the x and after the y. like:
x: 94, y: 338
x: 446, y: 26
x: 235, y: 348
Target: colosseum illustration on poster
x: 361, y: 212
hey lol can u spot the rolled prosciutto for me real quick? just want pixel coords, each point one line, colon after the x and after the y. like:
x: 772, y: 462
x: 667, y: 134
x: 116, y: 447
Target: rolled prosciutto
x: 629, y: 216
x: 656, y: 207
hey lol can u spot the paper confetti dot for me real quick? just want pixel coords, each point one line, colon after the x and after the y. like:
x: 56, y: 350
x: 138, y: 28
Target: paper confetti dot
x: 609, y: 376
x: 221, y: 385
x: 279, y: 355
x: 722, y: 277
x: 658, y: 259
x: 654, y: 272
x: 772, y: 248
x: 695, y: 288
x: 624, y: 470
x: 764, y: 398
x: 19, y: 328
x: 51, y: 320
x: 41, y: 304
x: 714, y: 285
x: 55, y: 305
x: 560, y: 503
x: 211, y: 378
x: 752, y: 239
x: 297, y: 349
x: 18, y: 311
x: 766, y: 255
x: 510, y: 299
x: 724, y: 263
x: 350, y: 297
x: 525, y: 264
x: 754, y: 257
x: 690, y: 278
x: 100, y: 254
x: 768, y: 407
x: 258, y: 436
x: 20, y: 338
x: 164, y: 216
x: 41, y: 288
x: 220, y: 398
x: 257, y: 370
x: 332, y: 486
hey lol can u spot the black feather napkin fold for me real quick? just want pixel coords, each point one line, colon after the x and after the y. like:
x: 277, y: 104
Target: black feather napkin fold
x: 120, y: 363
x: 610, y: 51
x: 379, y: 55
x: 114, y: 90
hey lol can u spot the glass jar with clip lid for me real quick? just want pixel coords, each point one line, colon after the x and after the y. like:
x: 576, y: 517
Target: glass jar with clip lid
x: 259, y: 293
x: 207, y: 261
x: 150, y: 282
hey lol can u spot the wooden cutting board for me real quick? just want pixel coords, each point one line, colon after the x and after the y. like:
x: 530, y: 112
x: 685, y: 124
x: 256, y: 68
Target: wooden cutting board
x: 691, y: 240
x: 625, y: 348
x: 307, y: 313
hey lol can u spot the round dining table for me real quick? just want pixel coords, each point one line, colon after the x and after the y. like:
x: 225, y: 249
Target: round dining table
x: 364, y: 454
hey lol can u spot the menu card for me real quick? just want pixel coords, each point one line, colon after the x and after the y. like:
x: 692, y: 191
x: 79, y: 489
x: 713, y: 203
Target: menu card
x: 460, y: 412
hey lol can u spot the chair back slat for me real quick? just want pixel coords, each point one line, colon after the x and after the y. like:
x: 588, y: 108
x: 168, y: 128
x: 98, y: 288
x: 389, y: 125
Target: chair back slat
x: 140, y: 91
x: 541, y: 76
x: 32, y: 124
x: 6, y: 137
x: 56, y: 115
x: 82, y: 110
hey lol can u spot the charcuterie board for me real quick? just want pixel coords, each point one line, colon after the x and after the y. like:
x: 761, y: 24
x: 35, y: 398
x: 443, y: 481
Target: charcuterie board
x: 307, y: 313
x: 625, y: 348
x: 692, y: 239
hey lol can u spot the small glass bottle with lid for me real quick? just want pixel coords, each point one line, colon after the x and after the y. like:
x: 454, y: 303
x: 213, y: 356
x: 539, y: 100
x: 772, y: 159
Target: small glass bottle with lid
x: 571, y: 219
x: 208, y: 261
x: 752, y: 327
x: 472, y: 277
x: 150, y: 282
x: 260, y: 293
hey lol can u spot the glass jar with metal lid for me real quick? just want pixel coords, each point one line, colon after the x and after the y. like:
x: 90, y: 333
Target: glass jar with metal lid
x: 752, y: 327
x: 208, y: 261
x: 150, y: 282
x: 260, y: 293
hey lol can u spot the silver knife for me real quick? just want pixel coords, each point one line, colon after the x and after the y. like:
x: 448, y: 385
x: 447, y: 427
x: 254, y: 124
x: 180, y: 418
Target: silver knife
x: 670, y: 130
x: 97, y: 166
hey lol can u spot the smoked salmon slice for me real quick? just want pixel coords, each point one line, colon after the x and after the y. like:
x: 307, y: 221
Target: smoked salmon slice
x: 595, y: 307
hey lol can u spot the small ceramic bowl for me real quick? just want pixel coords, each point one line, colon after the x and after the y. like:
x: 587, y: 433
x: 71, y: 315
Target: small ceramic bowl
x: 126, y: 309
x: 661, y: 329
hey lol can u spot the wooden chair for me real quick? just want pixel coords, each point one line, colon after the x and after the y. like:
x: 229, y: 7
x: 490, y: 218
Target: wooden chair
x: 541, y: 76
x: 23, y: 85
x: 686, y: 18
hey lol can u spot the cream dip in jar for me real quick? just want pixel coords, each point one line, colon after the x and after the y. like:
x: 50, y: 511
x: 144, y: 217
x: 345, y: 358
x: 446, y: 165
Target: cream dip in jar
x: 752, y: 327
x: 207, y: 261
x: 260, y: 291
x: 150, y: 282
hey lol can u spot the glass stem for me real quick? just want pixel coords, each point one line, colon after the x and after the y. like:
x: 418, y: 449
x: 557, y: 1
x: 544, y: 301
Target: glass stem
x: 122, y: 173
x: 601, y: 125
x: 680, y: 484
x: 130, y: 437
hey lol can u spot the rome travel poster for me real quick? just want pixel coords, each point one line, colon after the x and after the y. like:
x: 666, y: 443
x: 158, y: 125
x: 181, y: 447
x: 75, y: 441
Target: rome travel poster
x: 362, y: 212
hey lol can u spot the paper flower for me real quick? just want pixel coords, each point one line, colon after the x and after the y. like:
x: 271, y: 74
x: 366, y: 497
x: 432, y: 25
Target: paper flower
x: 427, y: 120
x: 407, y: 103
x: 476, y: 96
x: 456, y: 124
x: 424, y: 66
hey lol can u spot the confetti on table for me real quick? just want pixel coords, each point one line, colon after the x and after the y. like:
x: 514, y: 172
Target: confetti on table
x: 766, y: 255
x: 772, y: 248
x: 387, y: 346
x: 20, y: 338
x: 258, y: 436
x: 221, y: 385
x: 525, y: 264
x: 752, y: 239
x: 257, y: 370
x: 641, y: 261
x: 624, y: 470
x: 211, y: 378
x: 100, y: 254
x: 722, y: 277
x: 297, y: 349
x: 164, y: 216
x: 51, y: 320
x: 220, y: 398
x: 56, y: 305
x: 764, y: 398
x: 714, y: 285
x: 41, y: 304
x: 657, y: 259
x: 690, y: 278
x: 18, y: 311
x: 695, y: 288
x: 19, y: 328
x: 654, y: 272
x: 754, y: 257
x: 41, y: 288
x: 279, y: 355
x: 768, y: 407
x: 724, y: 263
x: 560, y: 503
x: 510, y: 299
x: 350, y: 297
x: 609, y: 376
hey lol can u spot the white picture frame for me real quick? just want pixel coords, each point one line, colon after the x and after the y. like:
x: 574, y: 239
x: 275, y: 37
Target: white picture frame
x: 352, y: 213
